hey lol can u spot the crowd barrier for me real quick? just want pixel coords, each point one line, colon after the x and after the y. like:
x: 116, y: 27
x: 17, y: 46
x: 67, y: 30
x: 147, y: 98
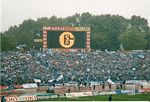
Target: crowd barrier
x: 21, y: 98
x: 79, y: 94
x: 75, y: 94
x: 47, y: 95
x: 126, y: 91
x: 31, y: 98
x: 96, y: 93
x: 144, y: 90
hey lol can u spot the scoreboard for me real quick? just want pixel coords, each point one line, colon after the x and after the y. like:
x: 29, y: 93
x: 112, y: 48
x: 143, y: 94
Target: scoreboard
x: 64, y: 37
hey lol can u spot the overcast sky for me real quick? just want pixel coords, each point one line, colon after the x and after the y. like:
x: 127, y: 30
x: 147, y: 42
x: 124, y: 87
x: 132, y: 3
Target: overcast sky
x: 15, y: 11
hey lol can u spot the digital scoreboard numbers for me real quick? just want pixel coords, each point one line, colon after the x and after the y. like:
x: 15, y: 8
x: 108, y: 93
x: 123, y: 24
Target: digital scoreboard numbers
x: 66, y: 38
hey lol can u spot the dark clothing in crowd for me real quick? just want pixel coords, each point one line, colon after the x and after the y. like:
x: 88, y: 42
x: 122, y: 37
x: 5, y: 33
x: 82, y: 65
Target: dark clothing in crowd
x: 22, y: 67
x: 3, y: 99
x: 110, y: 98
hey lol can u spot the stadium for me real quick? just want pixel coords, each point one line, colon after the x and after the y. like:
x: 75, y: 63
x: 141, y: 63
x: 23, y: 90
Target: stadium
x: 67, y: 69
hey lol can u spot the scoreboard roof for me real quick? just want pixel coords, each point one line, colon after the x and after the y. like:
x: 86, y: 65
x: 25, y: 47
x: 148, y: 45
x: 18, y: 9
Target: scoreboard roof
x: 66, y: 28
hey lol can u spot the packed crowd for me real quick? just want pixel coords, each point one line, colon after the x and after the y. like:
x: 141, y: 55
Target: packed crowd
x: 22, y: 67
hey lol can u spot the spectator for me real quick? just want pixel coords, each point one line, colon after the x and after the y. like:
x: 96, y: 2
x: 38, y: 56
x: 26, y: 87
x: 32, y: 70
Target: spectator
x: 109, y: 86
x: 22, y: 67
x: 103, y: 86
x: 3, y: 99
x: 94, y: 87
x: 110, y: 98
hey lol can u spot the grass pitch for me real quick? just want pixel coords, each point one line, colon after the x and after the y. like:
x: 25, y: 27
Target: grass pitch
x: 123, y: 97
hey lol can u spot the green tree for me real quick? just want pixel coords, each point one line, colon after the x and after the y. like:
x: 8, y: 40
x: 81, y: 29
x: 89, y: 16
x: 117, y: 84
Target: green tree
x: 100, y: 41
x: 7, y: 43
x: 111, y: 27
x: 107, y: 31
x: 140, y: 23
x: 26, y: 33
x: 132, y: 39
x: 148, y: 39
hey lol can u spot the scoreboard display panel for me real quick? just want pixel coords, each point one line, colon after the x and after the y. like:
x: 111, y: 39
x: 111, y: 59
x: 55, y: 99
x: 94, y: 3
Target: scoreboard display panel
x: 66, y: 38
x: 63, y: 39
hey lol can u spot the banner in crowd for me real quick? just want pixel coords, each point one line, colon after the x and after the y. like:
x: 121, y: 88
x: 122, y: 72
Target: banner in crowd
x: 18, y: 86
x: 3, y: 87
x: 37, y: 80
x: 31, y: 85
x: 110, y: 81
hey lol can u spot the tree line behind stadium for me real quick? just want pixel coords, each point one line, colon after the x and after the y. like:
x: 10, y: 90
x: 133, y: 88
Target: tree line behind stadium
x: 111, y: 32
